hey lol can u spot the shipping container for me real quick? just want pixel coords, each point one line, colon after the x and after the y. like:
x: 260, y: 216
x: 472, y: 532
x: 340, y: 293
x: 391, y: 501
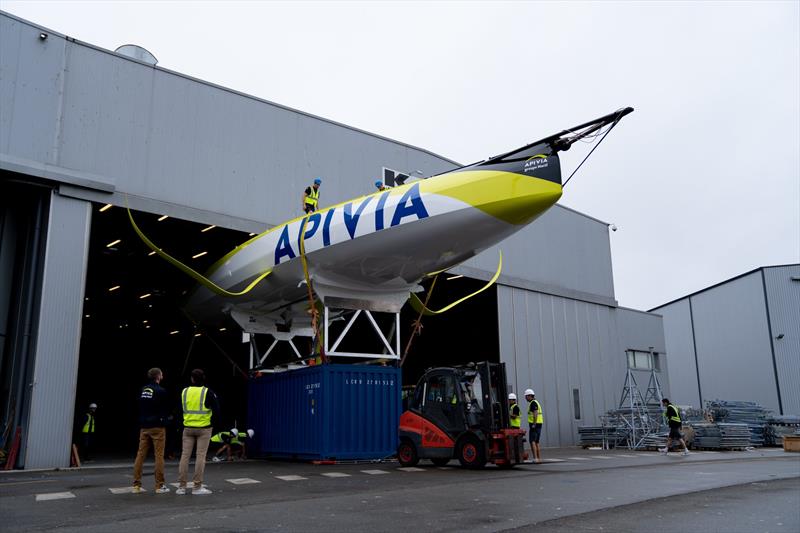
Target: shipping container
x: 326, y: 412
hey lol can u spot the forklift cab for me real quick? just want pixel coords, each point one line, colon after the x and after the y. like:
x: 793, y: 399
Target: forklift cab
x: 457, y: 412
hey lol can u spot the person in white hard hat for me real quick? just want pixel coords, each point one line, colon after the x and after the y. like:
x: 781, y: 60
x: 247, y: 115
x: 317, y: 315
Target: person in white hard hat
x: 233, y: 443
x: 87, y: 431
x: 535, y: 420
x: 514, y: 413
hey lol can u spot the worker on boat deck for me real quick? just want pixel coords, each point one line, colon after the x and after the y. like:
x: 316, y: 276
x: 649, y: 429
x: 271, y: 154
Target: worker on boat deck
x: 513, y: 411
x: 535, y: 420
x: 311, y: 196
x: 381, y: 186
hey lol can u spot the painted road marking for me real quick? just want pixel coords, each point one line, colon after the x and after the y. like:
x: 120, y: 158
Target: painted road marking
x: 626, y: 455
x: 552, y: 460
x: 291, y: 478
x: 602, y: 457
x: 411, y: 469
x: 579, y: 458
x: 125, y: 490
x: 335, y: 474
x: 54, y: 496
x: 375, y: 472
x: 445, y: 467
x: 242, y: 481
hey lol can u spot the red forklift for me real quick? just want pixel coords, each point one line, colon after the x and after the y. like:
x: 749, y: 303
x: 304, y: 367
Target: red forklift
x: 461, y: 412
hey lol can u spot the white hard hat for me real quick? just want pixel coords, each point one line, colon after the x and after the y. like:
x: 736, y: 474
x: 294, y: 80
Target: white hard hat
x: 512, y: 396
x: 92, y: 406
x: 529, y: 392
x: 250, y: 433
x: 235, y: 432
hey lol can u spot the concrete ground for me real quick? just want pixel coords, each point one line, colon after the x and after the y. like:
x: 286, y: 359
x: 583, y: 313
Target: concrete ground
x: 575, y: 490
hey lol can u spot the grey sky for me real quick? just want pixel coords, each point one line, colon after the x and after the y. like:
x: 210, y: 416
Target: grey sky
x: 703, y: 180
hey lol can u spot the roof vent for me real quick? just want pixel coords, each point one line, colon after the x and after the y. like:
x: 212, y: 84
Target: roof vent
x: 137, y: 52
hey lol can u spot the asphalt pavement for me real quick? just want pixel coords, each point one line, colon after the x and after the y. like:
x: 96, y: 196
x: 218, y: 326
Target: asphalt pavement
x: 574, y: 490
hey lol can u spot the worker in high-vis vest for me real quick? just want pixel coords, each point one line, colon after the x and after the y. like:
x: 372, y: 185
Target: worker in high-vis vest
x: 673, y: 416
x: 87, y: 431
x: 233, y: 442
x: 535, y: 421
x: 381, y: 186
x: 199, y: 404
x: 311, y: 197
x: 514, y: 414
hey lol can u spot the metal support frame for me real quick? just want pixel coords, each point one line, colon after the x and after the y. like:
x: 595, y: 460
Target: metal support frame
x: 276, y: 339
x: 389, y: 351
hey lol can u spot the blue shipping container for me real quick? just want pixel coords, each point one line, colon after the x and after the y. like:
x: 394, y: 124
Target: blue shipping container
x: 326, y: 412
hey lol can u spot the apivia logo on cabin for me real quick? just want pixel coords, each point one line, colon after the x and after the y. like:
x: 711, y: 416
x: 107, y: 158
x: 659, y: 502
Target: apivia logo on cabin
x: 410, y: 207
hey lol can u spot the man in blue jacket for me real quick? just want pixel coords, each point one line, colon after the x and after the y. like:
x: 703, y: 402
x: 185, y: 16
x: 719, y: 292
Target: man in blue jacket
x: 153, y: 418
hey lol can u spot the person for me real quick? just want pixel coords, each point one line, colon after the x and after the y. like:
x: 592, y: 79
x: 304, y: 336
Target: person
x: 381, y: 186
x: 87, y: 431
x: 535, y: 421
x: 513, y: 411
x: 311, y: 197
x: 199, y: 404
x: 673, y: 416
x: 153, y: 418
x: 234, y: 443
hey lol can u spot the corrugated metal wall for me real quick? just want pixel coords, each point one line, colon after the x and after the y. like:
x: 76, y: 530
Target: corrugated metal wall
x: 735, y: 338
x: 98, y: 119
x: 49, y: 426
x: 783, y: 297
x: 555, y: 345
x: 684, y: 388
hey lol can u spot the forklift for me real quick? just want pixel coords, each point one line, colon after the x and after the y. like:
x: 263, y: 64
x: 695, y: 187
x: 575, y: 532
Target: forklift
x: 461, y: 412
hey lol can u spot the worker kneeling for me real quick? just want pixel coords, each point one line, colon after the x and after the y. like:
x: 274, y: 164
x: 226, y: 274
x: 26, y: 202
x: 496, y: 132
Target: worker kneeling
x: 231, y: 443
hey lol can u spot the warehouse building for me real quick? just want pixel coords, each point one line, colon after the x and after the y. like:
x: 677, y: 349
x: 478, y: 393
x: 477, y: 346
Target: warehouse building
x: 86, y: 309
x: 738, y: 340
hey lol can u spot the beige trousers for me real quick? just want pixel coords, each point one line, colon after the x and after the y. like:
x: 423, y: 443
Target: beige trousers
x: 192, y: 436
x: 157, y: 436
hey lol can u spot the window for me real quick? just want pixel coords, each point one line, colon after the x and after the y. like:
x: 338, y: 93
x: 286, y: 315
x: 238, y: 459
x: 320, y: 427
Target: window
x: 641, y: 360
x: 576, y: 401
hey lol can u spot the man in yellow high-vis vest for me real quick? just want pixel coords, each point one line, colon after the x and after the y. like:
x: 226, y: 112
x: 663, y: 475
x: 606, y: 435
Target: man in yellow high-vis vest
x: 535, y: 421
x: 87, y: 431
x: 199, y: 403
x: 311, y: 197
x: 513, y: 411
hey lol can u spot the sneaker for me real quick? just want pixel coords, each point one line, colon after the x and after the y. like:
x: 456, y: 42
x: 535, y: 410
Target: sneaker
x: 686, y: 451
x: 137, y: 489
x: 216, y: 459
x: 162, y: 489
x: 180, y: 491
x: 663, y: 451
x: 201, y: 490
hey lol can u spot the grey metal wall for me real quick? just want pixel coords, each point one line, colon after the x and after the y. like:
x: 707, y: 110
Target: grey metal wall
x: 564, y: 253
x: 684, y: 385
x: 85, y: 116
x: 554, y: 345
x: 49, y: 429
x: 731, y: 330
x: 783, y: 297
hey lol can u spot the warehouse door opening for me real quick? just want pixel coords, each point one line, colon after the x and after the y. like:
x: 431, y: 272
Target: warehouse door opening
x: 467, y: 333
x: 133, y: 321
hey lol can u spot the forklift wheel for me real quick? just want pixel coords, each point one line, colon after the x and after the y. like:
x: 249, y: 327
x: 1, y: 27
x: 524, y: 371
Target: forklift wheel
x: 471, y: 452
x: 407, y: 454
x: 440, y: 461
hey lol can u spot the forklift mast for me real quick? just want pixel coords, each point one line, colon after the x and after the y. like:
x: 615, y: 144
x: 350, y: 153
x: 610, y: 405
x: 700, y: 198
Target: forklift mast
x: 494, y: 374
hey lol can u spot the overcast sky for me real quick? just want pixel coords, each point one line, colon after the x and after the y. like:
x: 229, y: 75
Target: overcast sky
x: 702, y: 180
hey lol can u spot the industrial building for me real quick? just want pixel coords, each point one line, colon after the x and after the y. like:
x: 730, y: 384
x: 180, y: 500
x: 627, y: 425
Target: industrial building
x: 86, y: 309
x: 738, y: 340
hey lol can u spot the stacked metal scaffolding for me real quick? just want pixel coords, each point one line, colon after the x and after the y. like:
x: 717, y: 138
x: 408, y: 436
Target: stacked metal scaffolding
x: 749, y: 413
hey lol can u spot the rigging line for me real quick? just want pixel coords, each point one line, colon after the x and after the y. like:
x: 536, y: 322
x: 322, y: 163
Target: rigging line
x: 590, y: 153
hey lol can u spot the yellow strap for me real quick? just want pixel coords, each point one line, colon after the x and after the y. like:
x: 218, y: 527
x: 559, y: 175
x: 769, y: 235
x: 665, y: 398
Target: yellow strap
x: 204, y: 281
x: 417, y: 304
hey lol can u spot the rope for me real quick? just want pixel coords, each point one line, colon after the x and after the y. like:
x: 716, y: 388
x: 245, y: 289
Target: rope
x: 311, y: 300
x: 417, y: 324
x: 417, y: 304
x: 202, y: 280
x: 590, y: 152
